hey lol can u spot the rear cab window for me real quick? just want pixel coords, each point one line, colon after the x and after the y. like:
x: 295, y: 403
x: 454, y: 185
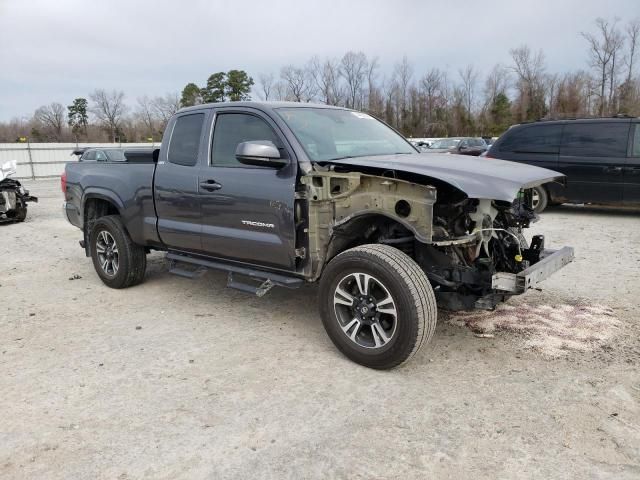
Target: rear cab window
x: 89, y: 156
x: 184, y: 144
x: 595, y: 139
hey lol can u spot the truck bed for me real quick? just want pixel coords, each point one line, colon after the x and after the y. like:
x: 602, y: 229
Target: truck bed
x: 128, y: 184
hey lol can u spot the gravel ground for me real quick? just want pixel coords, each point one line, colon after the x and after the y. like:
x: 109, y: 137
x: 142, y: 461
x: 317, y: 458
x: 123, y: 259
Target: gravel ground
x: 180, y: 378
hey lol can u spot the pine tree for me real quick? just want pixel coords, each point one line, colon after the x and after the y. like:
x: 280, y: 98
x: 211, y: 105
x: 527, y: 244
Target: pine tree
x: 77, y: 117
x: 238, y: 85
x: 190, y: 95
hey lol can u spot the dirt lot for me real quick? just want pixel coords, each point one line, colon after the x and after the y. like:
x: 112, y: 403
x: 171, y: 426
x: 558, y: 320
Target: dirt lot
x: 181, y: 378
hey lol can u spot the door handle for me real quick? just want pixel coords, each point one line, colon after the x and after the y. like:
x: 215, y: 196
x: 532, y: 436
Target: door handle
x: 613, y: 169
x: 210, y: 185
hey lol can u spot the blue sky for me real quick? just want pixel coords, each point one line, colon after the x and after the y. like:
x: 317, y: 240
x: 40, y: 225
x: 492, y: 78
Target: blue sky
x: 57, y: 50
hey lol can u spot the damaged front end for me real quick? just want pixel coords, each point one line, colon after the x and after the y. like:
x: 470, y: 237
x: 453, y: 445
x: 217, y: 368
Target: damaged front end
x: 13, y: 196
x: 479, y: 255
x: 472, y: 250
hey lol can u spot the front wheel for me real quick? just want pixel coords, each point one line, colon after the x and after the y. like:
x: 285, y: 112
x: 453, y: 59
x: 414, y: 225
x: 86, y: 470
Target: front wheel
x: 118, y: 261
x: 540, y: 198
x: 377, y: 305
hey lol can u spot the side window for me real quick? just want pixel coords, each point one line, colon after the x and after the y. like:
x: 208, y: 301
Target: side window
x: 234, y: 128
x: 606, y: 139
x: 185, y: 140
x: 532, y: 139
x: 636, y: 141
x: 89, y: 156
x: 100, y: 156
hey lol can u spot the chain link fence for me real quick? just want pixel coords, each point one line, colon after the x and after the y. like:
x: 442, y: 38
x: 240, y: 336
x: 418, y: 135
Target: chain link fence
x: 47, y: 160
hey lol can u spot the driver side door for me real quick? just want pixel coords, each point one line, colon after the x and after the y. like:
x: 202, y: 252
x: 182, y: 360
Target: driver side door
x: 248, y: 211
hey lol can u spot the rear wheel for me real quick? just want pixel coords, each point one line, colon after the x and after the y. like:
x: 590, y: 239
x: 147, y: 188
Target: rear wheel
x: 377, y: 305
x: 118, y: 261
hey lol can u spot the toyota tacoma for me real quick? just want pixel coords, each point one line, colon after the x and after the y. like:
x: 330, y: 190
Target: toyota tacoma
x: 280, y: 194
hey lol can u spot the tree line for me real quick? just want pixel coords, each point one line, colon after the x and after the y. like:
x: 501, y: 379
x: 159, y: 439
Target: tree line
x: 431, y: 103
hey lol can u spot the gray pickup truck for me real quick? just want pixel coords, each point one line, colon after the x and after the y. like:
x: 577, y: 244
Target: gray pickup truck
x: 280, y: 194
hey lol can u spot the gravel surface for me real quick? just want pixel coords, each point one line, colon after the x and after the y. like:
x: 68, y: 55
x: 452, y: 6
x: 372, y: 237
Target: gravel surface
x: 185, y: 379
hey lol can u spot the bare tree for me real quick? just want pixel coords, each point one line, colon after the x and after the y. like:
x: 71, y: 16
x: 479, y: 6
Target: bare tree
x: 403, y: 72
x: 265, y: 81
x: 530, y: 69
x: 147, y: 115
x: 551, y: 84
x: 496, y: 83
x: 326, y: 76
x: 280, y: 90
x: 431, y: 84
x: 469, y: 78
x: 603, y: 48
x: 353, y: 68
x: 164, y: 108
x: 633, y: 34
x: 373, y: 96
x: 109, y: 108
x: 51, y: 118
x: 298, y: 83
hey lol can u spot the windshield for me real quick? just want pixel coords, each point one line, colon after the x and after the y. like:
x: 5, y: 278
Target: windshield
x: 116, y: 155
x: 445, y: 143
x: 477, y: 142
x: 331, y: 134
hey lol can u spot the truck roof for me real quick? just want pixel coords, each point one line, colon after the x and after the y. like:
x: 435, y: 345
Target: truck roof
x: 260, y: 105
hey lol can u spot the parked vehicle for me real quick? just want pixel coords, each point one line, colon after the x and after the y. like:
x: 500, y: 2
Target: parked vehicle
x: 460, y: 145
x: 419, y: 144
x: 287, y: 193
x: 114, y: 154
x: 13, y: 196
x: 489, y: 140
x: 600, y: 157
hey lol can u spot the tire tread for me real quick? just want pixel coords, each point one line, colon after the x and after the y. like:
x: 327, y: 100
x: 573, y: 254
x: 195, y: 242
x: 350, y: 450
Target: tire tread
x: 420, y: 290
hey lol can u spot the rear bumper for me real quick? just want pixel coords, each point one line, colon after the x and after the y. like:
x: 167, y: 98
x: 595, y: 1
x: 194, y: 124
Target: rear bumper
x: 550, y: 262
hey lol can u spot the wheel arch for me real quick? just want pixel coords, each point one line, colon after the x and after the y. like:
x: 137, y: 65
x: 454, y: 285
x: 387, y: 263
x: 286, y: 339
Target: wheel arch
x: 97, y: 204
x: 354, y: 230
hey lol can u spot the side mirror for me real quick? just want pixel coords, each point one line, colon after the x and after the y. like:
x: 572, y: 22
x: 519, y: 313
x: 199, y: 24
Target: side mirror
x: 155, y: 155
x: 261, y: 153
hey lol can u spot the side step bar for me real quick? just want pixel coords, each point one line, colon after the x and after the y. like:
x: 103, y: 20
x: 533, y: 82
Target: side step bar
x: 265, y: 280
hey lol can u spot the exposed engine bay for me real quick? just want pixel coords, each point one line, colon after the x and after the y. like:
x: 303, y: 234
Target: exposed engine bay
x: 473, y: 240
x: 472, y: 250
x: 13, y: 196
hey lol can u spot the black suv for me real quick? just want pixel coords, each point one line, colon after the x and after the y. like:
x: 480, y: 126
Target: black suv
x: 600, y: 157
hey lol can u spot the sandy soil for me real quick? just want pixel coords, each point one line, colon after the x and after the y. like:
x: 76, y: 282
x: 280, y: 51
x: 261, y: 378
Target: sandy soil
x: 181, y: 378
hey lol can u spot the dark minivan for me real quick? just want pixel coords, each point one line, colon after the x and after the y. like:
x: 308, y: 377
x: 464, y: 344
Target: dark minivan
x: 600, y: 157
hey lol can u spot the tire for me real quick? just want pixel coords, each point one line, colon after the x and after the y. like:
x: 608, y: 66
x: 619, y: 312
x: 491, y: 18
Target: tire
x: 542, y: 201
x: 126, y: 263
x: 378, y: 338
x: 21, y: 211
x: 21, y: 214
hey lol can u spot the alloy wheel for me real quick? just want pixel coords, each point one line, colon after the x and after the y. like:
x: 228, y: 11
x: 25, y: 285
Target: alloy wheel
x: 365, y: 310
x: 107, y: 251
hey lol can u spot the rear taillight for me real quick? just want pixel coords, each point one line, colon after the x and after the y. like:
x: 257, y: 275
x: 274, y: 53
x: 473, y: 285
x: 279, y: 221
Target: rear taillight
x: 63, y: 182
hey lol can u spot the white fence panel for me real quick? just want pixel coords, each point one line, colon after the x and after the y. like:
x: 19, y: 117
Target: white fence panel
x: 42, y: 160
